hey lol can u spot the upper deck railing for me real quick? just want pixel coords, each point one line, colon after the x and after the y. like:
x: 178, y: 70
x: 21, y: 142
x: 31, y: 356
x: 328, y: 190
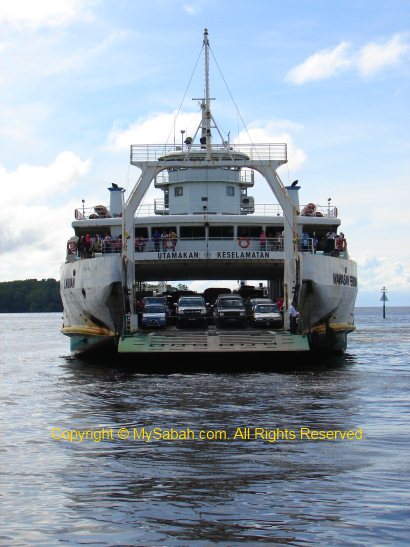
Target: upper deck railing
x: 158, y: 208
x: 154, y: 152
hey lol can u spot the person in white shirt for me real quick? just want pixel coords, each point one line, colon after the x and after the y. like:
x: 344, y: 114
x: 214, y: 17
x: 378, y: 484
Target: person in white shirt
x: 293, y: 318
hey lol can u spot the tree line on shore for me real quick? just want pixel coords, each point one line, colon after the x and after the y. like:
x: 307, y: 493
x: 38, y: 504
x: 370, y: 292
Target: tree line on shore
x: 30, y: 295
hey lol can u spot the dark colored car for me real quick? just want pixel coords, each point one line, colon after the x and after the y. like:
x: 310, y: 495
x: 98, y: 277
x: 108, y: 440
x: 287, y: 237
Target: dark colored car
x: 229, y: 310
x: 155, y: 300
x: 191, y: 310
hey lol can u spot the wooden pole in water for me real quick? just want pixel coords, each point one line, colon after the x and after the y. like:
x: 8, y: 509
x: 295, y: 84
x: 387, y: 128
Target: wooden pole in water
x: 384, y: 300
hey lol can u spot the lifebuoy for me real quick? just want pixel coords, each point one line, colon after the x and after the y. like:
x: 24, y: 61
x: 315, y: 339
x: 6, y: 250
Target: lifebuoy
x: 72, y: 247
x: 243, y: 242
x: 168, y: 243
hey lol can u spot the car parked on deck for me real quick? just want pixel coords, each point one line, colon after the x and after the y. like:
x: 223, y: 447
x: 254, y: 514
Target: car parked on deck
x: 191, y: 310
x: 252, y: 302
x: 154, y: 316
x: 266, y: 315
x: 229, y: 310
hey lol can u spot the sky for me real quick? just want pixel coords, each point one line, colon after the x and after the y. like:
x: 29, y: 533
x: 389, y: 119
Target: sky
x: 81, y: 80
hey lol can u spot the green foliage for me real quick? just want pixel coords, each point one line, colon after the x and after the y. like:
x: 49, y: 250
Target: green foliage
x: 182, y: 287
x: 30, y: 295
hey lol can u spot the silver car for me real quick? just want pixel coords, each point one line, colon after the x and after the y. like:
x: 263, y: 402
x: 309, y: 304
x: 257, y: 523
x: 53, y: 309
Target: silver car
x: 266, y: 315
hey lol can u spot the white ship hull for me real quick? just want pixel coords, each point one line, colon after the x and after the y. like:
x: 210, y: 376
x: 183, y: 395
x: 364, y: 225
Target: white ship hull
x: 326, y: 301
x: 93, y: 302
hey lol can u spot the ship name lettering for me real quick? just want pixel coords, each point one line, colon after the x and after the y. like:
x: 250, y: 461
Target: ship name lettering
x: 174, y: 254
x: 242, y: 254
x: 69, y: 283
x: 344, y: 279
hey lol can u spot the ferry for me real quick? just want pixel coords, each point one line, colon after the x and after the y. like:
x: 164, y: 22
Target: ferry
x: 207, y: 227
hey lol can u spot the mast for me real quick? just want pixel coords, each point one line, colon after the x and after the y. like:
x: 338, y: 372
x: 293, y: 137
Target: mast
x: 206, y: 107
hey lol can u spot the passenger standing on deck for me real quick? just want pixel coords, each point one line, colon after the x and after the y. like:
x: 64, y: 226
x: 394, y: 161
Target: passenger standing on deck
x: 139, y: 244
x: 173, y: 238
x: 305, y: 241
x: 156, y: 238
x: 293, y: 318
x: 330, y: 241
x: 164, y: 239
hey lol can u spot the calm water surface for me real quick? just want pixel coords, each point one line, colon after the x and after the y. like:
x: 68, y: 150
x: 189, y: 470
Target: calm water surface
x: 226, y: 491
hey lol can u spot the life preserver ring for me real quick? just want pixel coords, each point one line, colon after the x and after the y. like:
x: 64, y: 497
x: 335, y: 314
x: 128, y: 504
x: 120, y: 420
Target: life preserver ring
x: 168, y: 243
x: 243, y: 242
x: 72, y: 247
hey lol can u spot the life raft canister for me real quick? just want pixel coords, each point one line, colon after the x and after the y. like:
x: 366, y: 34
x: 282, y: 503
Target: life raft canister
x: 243, y: 242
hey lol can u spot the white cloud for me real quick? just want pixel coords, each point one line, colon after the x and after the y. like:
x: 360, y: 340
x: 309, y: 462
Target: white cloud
x: 24, y: 14
x: 275, y: 132
x: 375, y: 57
x: 376, y: 271
x: 320, y: 65
x: 159, y: 128
x: 33, y: 229
x: 37, y: 183
x: 370, y: 59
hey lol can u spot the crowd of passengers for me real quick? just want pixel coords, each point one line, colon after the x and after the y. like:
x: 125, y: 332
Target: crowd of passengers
x: 86, y: 246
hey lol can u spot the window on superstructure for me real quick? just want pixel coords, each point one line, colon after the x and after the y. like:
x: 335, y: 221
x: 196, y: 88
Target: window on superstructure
x: 164, y: 229
x: 178, y: 191
x: 276, y: 231
x: 192, y: 232
x: 141, y: 231
x: 230, y: 190
x: 249, y: 231
x: 221, y: 232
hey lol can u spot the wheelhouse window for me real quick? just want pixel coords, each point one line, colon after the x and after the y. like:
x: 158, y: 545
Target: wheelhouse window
x: 178, y: 191
x: 230, y: 190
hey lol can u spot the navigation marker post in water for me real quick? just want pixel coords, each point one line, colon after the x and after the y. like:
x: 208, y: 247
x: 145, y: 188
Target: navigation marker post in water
x: 384, y: 300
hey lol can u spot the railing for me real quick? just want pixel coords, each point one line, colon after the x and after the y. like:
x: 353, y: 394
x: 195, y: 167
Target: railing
x: 144, y: 248
x: 158, y: 208
x: 156, y: 152
x: 244, y: 176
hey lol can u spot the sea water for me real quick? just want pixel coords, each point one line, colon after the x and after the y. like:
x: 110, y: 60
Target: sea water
x: 102, y: 455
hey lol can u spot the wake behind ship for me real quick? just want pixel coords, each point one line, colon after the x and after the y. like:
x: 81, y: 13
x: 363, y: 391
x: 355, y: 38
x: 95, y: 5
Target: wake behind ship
x: 207, y: 227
